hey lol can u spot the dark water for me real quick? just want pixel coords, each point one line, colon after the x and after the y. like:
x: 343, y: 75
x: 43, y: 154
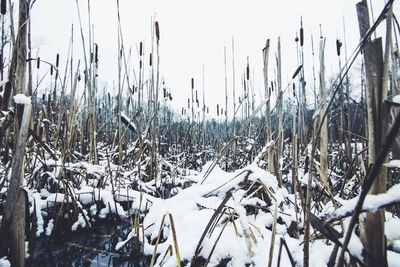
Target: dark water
x: 88, y: 247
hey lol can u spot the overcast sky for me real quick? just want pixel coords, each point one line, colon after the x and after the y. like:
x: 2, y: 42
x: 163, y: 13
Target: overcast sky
x: 194, y: 33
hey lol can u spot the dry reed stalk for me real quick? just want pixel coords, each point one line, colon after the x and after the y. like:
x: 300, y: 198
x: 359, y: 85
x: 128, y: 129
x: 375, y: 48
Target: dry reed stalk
x: 279, y: 114
x: 271, y: 248
x: 175, y: 240
x: 13, y: 222
x: 324, y: 128
x: 223, y: 153
x: 210, y: 222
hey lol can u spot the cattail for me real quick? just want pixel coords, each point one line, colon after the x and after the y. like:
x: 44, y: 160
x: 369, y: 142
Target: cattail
x: 38, y: 63
x: 301, y: 37
x: 157, y: 31
x: 182, y: 112
x: 297, y: 71
x: 3, y: 7
x: 192, y: 83
x: 165, y: 92
x: 207, y: 110
x: 96, y: 54
x: 1, y: 60
x: 57, y: 60
x: 140, y: 49
x: 151, y: 60
x: 301, y: 32
x: 247, y: 71
x: 338, y: 46
x: 294, y: 90
x: 217, y: 110
x: 51, y: 70
x: 188, y: 103
x: 272, y: 86
x: 170, y: 97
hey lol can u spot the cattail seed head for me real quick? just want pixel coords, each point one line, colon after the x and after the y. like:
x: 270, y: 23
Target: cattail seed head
x: 301, y: 36
x: 51, y: 70
x: 297, y: 71
x: 247, y: 72
x: 151, y: 60
x: 96, y: 54
x: 217, y: 110
x: 140, y: 49
x: 294, y: 89
x: 3, y: 7
x: 157, y: 31
x: 57, y: 60
x: 192, y: 83
x: 338, y: 46
x: 272, y: 86
x: 38, y: 63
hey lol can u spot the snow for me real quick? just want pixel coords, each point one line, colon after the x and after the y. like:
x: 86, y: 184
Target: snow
x: 371, y: 203
x: 4, y: 262
x: 395, y: 163
x: 392, y: 228
x: 396, y: 99
x: 2, y: 83
x: 244, y: 239
x: 22, y: 99
x: 80, y: 222
x: 238, y: 234
x: 393, y: 259
x: 49, y: 227
x: 39, y: 203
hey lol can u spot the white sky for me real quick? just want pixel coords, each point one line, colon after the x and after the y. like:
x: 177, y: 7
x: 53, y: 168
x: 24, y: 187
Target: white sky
x: 194, y: 33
